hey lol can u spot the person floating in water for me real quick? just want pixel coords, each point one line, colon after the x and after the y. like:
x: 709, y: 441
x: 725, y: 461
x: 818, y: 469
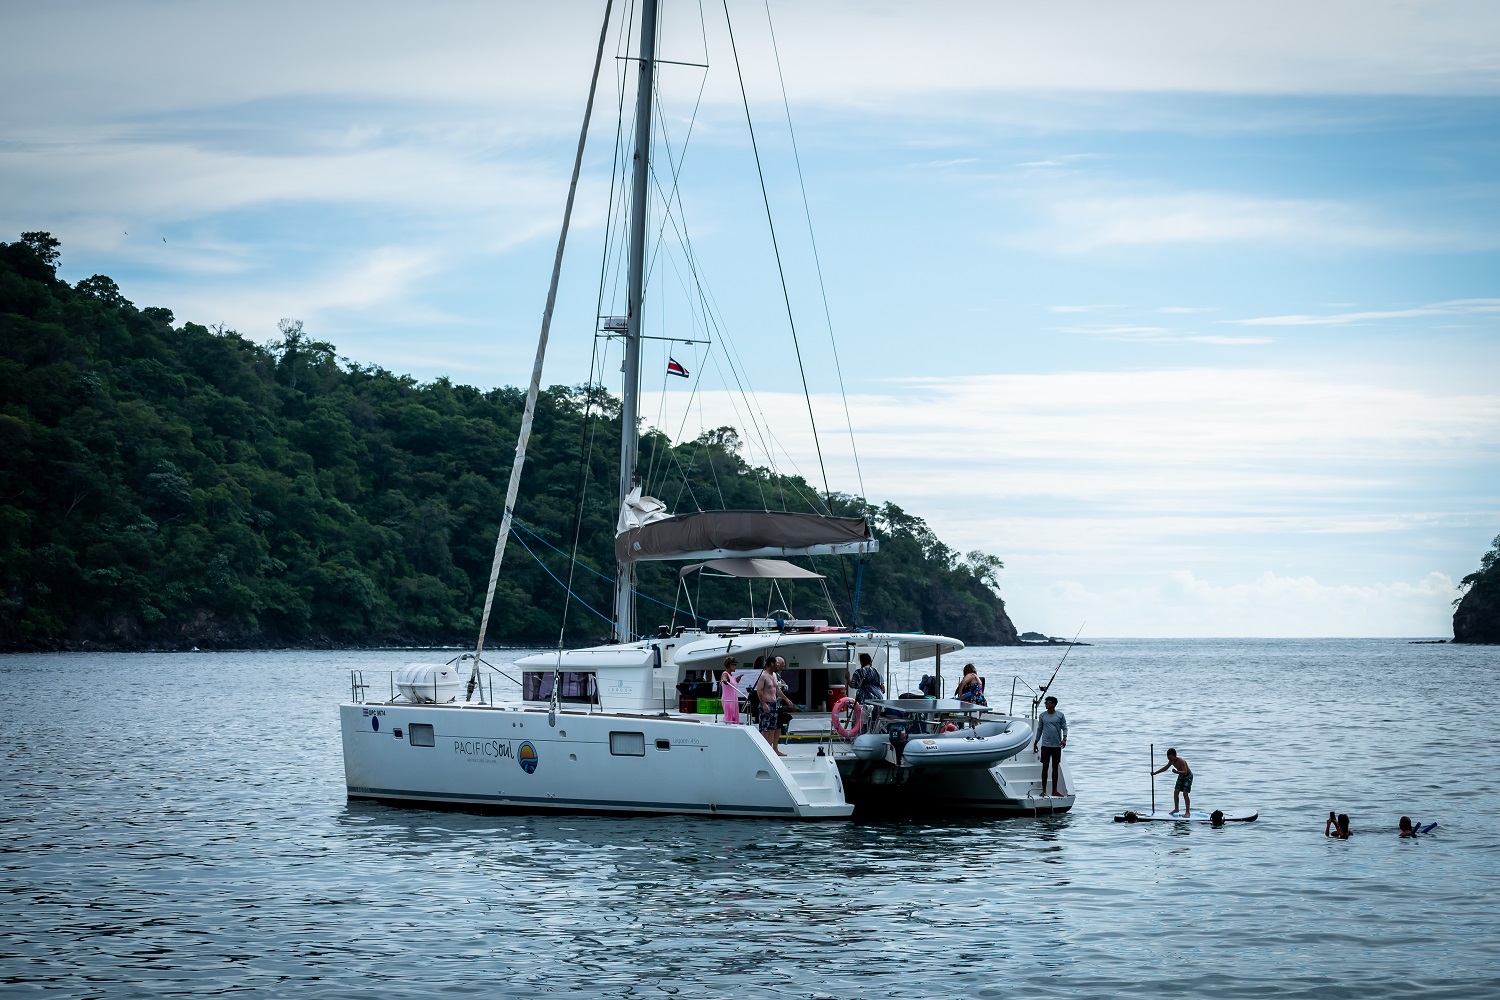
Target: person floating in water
x: 1184, y: 786
x: 1340, y: 827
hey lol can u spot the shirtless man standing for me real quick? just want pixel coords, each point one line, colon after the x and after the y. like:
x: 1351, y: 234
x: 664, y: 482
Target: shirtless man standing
x: 1184, y: 784
x: 768, y: 688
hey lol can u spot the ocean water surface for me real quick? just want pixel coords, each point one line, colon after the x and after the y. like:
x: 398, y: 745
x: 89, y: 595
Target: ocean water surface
x: 175, y: 824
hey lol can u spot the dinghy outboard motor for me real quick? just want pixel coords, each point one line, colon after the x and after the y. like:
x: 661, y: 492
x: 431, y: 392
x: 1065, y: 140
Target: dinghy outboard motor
x: 899, y: 738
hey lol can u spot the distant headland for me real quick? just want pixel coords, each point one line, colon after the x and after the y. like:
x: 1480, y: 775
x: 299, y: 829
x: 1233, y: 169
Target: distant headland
x: 1476, y: 617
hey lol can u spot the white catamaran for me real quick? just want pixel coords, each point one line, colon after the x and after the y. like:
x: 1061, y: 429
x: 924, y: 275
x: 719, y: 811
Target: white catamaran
x: 613, y: 728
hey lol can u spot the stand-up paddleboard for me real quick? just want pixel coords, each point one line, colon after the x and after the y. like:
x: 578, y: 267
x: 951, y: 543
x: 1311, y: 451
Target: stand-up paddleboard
x: 1196, y: 816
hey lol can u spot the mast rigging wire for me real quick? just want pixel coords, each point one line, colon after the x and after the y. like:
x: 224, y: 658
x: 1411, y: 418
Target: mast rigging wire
x: 817, y: 261
x: 776, y: 248
x: 524, y: 434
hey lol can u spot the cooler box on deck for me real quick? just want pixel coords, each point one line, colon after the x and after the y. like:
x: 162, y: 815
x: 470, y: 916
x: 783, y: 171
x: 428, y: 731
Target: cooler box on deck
x: 709, y: 706
x: 835, y: 692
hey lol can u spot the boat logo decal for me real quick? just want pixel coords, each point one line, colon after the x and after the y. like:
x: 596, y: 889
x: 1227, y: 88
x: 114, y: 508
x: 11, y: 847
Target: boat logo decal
x: 375, y: 723
x: 527, y: 757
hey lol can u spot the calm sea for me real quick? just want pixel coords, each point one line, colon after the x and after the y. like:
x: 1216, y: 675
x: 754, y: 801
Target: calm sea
x: 175, y: 824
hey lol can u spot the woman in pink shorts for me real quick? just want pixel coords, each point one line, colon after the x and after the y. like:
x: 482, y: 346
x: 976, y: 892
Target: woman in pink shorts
x: 729, y: 691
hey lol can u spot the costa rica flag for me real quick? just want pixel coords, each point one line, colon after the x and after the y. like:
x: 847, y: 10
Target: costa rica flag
x: 673, y: 368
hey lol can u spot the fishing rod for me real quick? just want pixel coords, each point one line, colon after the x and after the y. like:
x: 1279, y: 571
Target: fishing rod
x: 1048, y: 686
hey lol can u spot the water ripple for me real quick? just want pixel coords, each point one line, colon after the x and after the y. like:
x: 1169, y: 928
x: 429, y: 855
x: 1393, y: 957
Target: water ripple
x: 175, y: 825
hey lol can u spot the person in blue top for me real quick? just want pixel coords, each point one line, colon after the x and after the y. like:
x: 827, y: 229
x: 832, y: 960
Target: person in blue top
x: 1051, y: 737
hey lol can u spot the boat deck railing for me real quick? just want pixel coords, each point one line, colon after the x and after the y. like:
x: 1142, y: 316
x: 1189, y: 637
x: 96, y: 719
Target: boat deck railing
x: 1016, y: 681
x: 359, y: 690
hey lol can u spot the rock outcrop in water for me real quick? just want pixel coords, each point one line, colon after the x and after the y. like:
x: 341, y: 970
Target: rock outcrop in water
x: 172, y: 486
x: 1477, y: 618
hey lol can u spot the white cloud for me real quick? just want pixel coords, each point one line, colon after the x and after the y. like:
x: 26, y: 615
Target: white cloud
x: 1457, y: 307
x: 1130, y: 490
x: 1196, y: 437
x: 1161, y: 334
x: 1180, y: 603
x: 121, y: 184
x: 1080, y: 224
x: 93, y: 60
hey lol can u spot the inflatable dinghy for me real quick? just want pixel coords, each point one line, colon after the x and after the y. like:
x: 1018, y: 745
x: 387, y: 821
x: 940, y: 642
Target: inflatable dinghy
x: 985, y: 744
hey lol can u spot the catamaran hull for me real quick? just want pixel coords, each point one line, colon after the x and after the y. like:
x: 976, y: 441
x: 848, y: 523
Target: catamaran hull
x: 511, y: 759
x: 1010, y: 788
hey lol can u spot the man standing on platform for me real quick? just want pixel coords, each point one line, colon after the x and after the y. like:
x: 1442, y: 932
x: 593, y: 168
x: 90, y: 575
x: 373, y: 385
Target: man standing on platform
x: 1051, y: 737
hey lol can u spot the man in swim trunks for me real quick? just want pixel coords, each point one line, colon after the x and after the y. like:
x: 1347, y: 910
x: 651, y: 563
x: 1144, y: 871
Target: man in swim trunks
x: 1051, y: 737
x: 1184, y: 784
x: 767, y: 718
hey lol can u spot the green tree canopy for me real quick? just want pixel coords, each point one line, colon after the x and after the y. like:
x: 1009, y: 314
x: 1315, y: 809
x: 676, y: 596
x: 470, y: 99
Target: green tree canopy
x: 173, y: 485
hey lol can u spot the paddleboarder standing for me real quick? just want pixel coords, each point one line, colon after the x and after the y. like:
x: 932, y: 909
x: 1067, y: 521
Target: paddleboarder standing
x: 1052, y: 736
x: 1184, y: 786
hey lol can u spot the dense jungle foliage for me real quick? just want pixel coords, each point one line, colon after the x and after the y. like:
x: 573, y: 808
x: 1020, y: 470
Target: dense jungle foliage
x: 1476, y: 617
x: 173, y: 486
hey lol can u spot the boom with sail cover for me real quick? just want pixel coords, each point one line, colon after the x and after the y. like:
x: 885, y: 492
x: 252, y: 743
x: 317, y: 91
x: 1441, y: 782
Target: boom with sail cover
x: 718, y: 534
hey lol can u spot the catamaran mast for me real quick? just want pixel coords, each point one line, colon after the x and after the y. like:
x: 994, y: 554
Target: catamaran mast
x: 629, y: 413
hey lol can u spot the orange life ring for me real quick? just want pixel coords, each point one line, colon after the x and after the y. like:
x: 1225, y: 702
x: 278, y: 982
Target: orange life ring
x: 855, y: 723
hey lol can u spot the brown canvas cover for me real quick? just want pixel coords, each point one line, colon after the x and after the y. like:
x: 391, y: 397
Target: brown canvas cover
x: 736, y: 531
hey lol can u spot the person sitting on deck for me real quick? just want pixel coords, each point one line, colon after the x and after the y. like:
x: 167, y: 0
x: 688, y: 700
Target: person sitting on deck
x: 971, y: 687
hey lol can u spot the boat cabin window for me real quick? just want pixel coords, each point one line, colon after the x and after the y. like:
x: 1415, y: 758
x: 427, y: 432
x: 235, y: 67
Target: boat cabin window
x: 421, y: 735
x: 578, y: 686
x: 838, y: 654
x: 627, y: 744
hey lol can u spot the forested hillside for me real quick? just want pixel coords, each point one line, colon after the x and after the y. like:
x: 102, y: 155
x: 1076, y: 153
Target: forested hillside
x: 170, y: 485
x: 1476, y: 617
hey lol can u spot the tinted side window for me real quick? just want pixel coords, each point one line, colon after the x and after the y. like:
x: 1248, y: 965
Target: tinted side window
x: 627, y: 744
x: 421, y: 735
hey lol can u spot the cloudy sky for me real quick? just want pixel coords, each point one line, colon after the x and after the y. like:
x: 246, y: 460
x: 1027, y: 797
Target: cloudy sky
x: 1189, y: 311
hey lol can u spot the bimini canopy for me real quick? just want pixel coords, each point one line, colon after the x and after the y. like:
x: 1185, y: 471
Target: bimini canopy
x: 742, y: 534
x: 754, y: 569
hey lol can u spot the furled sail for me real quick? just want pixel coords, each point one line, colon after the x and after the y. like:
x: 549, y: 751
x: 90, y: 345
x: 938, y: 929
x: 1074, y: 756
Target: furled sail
x: 719, y: 534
